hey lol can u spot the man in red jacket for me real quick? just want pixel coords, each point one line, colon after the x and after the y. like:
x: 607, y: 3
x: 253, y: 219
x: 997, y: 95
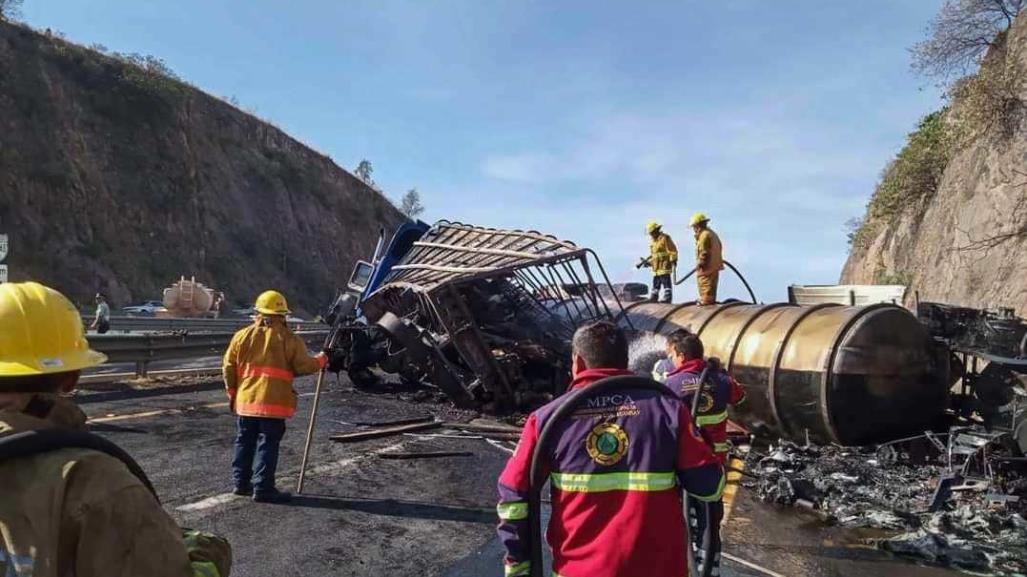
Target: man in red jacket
x: 616, y: 468
x: 721, y: 391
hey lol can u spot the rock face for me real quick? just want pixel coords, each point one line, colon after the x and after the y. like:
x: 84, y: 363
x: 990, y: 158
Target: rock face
x: 117, y: 179
x: 967, y: 244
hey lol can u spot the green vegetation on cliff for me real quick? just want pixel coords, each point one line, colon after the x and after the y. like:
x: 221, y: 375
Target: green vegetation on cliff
x: 910, y: 179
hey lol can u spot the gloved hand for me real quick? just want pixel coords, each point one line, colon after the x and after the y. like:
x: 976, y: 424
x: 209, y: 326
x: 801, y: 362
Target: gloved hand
x: 322, y: 359
x: 209, y: 555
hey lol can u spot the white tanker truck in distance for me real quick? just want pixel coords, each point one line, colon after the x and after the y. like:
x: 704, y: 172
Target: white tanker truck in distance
x: 188, y: 299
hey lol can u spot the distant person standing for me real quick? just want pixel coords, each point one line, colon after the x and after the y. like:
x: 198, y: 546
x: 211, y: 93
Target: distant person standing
x: 102, y: 318
x: 219, y: 305
x: 709, y: 258
x: 258, y: 368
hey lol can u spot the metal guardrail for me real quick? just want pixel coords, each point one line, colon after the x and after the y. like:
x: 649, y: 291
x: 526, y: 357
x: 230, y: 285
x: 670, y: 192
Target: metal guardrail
x: 143, y: 349
x: 142, y: 324
x: 115, y: 377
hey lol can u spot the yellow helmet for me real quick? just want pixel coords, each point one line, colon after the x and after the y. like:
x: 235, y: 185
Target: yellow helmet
x: 651, y: 226
x: 41, y: 332
x: 272, y: 303
x: 697, y: 218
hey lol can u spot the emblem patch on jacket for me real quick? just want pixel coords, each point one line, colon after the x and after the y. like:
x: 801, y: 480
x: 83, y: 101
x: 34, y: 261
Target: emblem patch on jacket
x: 705, y: 402
x: 607, y: 443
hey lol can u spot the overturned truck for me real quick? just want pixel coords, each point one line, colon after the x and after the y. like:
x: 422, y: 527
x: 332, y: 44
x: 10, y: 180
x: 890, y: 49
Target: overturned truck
x: 485, y: 315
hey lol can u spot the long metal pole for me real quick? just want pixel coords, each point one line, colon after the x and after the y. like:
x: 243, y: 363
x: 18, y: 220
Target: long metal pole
x: 310, y: 430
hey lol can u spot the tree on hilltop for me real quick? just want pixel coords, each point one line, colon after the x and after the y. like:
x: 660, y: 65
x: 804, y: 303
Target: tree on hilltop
x: 10, y: 9
x: 961, y: 34
x: 411, y: 204
x: 364, y: 171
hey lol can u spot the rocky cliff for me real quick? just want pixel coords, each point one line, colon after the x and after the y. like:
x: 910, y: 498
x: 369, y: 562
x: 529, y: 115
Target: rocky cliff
x: 115, y: 177
x: 956, y: 232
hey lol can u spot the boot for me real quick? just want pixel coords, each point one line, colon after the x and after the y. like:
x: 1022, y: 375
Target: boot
x: 272, y: 496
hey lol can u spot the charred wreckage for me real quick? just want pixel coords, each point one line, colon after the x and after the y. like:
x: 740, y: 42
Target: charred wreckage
x: 867, y: 415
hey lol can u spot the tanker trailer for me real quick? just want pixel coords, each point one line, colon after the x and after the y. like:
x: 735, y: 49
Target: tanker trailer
x: 188, y: 298
x: 825, y: 373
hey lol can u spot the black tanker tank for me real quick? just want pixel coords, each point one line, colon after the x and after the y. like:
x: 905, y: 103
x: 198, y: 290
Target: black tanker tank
x: 829, y: 373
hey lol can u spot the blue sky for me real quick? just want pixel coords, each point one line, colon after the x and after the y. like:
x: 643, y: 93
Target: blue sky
x: 580, y: 119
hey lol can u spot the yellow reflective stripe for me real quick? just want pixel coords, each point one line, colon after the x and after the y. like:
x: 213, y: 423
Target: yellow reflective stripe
x: 205, y: 569
x: 711, y: 419
x: 716, y: 494
x: 721, y: 447
x: 601, y: 482
x: 512, y: 511
x: 518, y: 570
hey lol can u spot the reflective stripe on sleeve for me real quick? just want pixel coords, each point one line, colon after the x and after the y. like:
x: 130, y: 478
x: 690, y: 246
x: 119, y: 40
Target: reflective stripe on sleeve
x: 602, y: 482
x: 512, y: 511
x: 713, y: 419
x: 248, y: 370
x: 264, y: 410
x: 716, y: 494
x: 517, y: 570
x: 205, y: 569
x: 721, y: 447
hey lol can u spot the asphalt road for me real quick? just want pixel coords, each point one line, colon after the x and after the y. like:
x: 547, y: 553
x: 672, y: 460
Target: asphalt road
x: 361, y: 515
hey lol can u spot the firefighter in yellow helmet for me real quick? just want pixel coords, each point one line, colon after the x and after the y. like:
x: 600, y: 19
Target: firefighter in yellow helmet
x: 72, y: 503
x: 663, y: 257
x: 709, y: 258
x: 258, y: 368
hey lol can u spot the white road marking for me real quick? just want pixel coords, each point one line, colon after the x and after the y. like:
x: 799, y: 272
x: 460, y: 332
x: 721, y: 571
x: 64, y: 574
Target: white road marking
x: 499, y: 445
x: 333, y: 467
x: 113, y: 417
x: 750, y: 565
x: 143, y: 415
x: 207, y: 503
x: 325, y: 469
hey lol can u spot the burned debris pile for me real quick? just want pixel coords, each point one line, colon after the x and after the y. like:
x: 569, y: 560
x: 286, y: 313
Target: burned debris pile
x: 956, y: 499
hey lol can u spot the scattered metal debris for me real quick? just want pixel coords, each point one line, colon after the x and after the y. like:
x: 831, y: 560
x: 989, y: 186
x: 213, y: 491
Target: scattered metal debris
x: 959, y: 503
x: 385, y: 432
x: 422, y: 454
x: 395, y: 422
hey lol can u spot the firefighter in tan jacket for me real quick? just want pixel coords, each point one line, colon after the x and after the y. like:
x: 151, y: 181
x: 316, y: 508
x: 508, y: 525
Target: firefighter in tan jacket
x: 66, y: 510
x: 709, y: 258
x: 259, y: 366
x: 663, y: 258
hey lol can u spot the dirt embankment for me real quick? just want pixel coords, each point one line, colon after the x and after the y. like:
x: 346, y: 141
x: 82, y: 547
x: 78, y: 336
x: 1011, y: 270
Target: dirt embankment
x: 113, y: 178
x: 966, y: 242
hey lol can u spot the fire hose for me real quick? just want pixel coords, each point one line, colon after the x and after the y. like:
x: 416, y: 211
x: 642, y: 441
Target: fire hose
x: 752, y: 295
x: 575, y: 400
